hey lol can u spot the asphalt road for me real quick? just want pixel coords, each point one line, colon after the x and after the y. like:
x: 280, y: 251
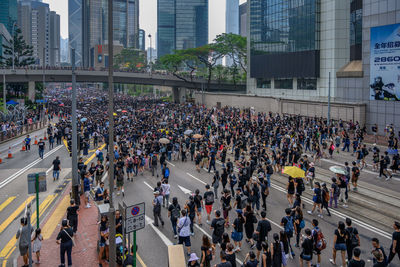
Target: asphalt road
x: 14, y: 192
x: 153, y: 245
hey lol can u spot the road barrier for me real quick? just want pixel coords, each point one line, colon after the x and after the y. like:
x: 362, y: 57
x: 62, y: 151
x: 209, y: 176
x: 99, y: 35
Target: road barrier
x: 9, y: 153
x: 23, y: 146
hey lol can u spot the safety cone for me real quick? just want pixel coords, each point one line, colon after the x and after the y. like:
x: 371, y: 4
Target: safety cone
x: 35, y: 140
x: 1, y: 160
x: 45, y: 138
x: 23, y: 147
x: 9, y: 153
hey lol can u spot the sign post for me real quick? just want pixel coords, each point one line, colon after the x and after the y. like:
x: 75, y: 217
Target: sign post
x: 37, y: 184
x: 135, y: 220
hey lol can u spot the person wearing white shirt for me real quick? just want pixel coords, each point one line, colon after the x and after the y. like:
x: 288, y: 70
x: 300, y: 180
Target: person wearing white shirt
x: 166, y: 188
x: 184, y: 230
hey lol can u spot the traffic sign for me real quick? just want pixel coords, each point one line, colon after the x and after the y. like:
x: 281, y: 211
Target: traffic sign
x: 135, y: 217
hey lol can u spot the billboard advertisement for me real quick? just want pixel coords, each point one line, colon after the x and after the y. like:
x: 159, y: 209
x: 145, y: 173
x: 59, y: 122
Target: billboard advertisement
x: 385, y: 63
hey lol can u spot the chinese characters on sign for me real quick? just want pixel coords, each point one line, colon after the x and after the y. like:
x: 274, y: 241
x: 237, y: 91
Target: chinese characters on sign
x: 135, y: 217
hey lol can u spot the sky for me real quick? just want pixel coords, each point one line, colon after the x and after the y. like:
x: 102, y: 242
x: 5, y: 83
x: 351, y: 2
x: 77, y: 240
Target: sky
x: 148, y: 16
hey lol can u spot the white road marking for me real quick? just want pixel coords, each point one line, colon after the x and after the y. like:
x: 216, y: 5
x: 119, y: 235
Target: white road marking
x: 49, y: 170
x: 185, y: 190
x: 196, y: 178
x: 149, y: 186
x: 165, y: 239
x: 170, y: 163
x: 366, y: 201
x: 21, y: 171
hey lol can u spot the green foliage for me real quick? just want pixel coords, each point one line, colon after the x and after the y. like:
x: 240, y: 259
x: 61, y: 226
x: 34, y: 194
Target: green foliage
x: 130, y: 58
x: 22, y: 52
x: 202, y: 61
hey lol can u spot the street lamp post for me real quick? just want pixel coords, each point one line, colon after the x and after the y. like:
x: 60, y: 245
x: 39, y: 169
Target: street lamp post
x: 13, y: 45
x: 151, y: 64
x: 111, y: 134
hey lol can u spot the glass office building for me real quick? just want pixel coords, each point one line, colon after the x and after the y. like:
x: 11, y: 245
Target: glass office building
x: 181, y: 24
x: 75, y: 29
x: 8, y: 14
x: 288, y: 30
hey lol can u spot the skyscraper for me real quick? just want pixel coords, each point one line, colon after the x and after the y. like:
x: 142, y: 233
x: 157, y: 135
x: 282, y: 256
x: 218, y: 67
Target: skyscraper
x: 181, y: 24
x: 231, y: 22
x: 243, y: 19
x: 232, y: 16
x: 55, y: 48
x: 142, y: 40
x: 75, y: 29
x: 8, y: 14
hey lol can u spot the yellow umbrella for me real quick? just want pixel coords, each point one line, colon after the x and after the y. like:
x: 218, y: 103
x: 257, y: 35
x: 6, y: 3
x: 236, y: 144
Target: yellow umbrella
x: 294, y: 172
x: 115, y: 114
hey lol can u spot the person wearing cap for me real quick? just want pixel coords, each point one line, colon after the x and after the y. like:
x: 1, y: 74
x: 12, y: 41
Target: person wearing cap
x: 395, y: 246
x: 65, y: 240
x: 157, y: 201
x: 193, y: 260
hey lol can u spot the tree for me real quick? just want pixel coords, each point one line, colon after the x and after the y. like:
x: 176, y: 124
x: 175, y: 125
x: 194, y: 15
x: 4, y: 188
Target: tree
x: 130, y: 58
x: 22, y: 52
x: 234, y: 46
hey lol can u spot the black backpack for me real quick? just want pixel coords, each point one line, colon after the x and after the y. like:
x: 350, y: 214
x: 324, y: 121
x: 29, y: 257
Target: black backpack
x: 219, y: 226
x: 353, y: 238
x: 175, y: 212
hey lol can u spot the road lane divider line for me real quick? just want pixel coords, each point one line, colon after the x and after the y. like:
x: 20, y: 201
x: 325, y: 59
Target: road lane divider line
x: 6, y: 203
x: 196, y: 178
x: 173, y: 165
x: 149, y: 186
x: 7, y: 251
x: 55, y: 218
x: 30, y: 165
x: 164, y: 239
x: 94, y: 155
x: 15, y: 214
x: 66, y: 145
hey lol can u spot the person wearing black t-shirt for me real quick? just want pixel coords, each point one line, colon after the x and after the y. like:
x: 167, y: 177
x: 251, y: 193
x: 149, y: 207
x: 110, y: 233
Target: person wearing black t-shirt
x: 263, y: 228
x: 72, y: 215
x: 356, y: 261
x: 307, y: 249
x: 395, y: 247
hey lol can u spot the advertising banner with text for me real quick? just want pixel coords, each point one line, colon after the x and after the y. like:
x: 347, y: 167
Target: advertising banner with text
x: 385, y: 63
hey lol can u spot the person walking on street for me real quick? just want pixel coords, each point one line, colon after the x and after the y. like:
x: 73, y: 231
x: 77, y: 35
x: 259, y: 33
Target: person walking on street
x: 24, y: 237
x: 262, y: 230
x: 353, y: 240
x: 208, y: 202
x: 104, y: 241
x: 56, y: 168
x: 356, y: 261
x: 325, y: 197
x: 288, y: 225
x: 37, y: 244
x: 153, y: 165
x: 377, y: 247
x: 157, y: 208
x: 64, y: 239
x: 207, y: 252
x: 27, y: 142
x: 339, y: 243
x: 72, y: 215
x: 174, y: 211
x: 355, y: 175
x: 41, y: 146
x: 184, y: 231
x: 218, y: 227
x: 165, y: 192
x: 307, y: 249
x: 395, y: 246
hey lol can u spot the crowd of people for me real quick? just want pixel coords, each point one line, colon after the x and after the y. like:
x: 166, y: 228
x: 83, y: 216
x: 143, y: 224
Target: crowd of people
x: 250, y: 147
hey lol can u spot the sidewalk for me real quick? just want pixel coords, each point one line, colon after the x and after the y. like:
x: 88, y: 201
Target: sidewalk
x: 84, y: 253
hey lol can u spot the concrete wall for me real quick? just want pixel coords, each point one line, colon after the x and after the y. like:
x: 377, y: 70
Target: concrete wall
x: 347, y: 112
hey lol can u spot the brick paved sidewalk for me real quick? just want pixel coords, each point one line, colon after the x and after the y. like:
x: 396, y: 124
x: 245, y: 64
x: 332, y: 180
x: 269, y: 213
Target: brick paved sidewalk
x: 84, y: 253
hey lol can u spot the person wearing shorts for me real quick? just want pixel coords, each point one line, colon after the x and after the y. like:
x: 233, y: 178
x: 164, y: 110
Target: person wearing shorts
x: 184, y: 230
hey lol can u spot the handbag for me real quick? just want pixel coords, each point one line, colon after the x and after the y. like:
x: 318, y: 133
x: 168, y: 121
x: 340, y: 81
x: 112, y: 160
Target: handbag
x: 72, y: 238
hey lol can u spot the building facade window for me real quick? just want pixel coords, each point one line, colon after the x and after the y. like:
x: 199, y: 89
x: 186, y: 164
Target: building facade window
x: 283, y: 83
x: 306, y: 84
x: 356, y: 29
x: 262, y: 83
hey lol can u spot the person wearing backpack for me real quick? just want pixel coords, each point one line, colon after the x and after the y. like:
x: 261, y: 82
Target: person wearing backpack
x: 166, y: 171
x: 218, y: 227
x: 153, y: 165
x: 339, y: 243
x: 208, y: 202
x: 207, y: 252
x: 157, y: 208
x: 288, y: 224
x: 174, y: 211
x: 318, y: 240
x: 355, y: 175
x: 354, y: 239
x: 325, y: 198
